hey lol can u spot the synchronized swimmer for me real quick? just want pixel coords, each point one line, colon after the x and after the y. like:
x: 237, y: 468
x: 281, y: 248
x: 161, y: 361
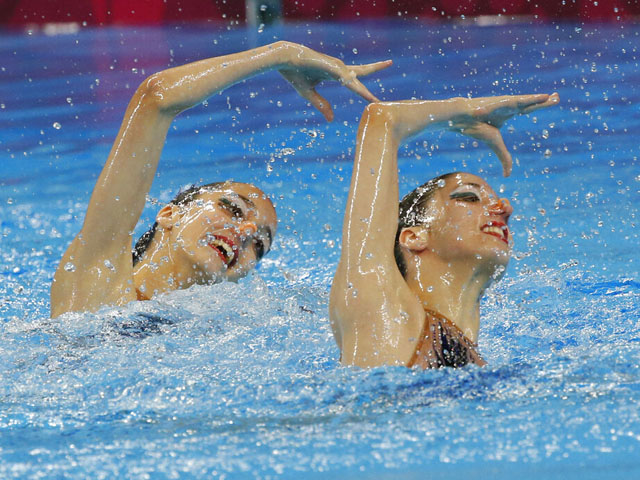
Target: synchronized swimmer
x: 206, y: 234
x: 410, y: 277
x: 408, y: 285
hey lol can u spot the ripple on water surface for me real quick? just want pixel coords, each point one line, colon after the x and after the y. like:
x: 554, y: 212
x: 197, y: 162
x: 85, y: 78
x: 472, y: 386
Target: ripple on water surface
x: 234, y: 378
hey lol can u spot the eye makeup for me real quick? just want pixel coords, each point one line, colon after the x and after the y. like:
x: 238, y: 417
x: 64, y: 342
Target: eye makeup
x: 234, y: 208
x: 469, y: 192
x: 465, y: 196
x: 259, y: 246
x: 261, y: 239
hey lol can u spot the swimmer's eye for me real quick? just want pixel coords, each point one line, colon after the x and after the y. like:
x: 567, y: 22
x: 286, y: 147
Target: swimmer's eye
x: 259, y: 245
x: 465, y: 196
x: 231, y: 207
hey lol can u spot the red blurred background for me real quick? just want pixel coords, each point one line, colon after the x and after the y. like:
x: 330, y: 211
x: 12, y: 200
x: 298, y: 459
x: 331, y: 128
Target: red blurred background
x: 108, y: 12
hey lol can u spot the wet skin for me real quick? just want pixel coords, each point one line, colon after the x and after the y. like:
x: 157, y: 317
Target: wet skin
x: 467, y: 220
x: 200, y: 249
x: 220, y: 235
x: 461, y: 246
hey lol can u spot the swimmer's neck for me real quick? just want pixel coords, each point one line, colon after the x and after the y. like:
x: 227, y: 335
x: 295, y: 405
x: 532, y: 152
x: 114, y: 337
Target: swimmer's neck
x: 155, y: 273
x: 452, y: 289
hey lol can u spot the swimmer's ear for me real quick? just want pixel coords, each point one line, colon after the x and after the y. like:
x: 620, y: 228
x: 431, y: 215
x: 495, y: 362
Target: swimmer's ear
x: 414, y: 238
x: 166, y: 216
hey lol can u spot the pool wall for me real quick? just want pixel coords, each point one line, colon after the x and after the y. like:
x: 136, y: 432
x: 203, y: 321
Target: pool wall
x: 103, y: 12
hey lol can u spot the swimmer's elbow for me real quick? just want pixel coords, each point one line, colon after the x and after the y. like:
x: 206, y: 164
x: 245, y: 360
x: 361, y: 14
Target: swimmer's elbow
x: 153, y: 92
x: 379, y: 110
x: 383, y: 115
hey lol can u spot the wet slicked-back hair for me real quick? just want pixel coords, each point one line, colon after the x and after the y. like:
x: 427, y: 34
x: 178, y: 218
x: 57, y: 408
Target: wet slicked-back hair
x: 185, y: 197
x: 412, y: 209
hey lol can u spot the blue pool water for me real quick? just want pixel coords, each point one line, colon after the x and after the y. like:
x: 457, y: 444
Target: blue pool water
x: 242, y: 381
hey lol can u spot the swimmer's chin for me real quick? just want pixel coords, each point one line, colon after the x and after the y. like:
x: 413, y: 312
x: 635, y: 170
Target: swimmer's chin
x: 228, y: 275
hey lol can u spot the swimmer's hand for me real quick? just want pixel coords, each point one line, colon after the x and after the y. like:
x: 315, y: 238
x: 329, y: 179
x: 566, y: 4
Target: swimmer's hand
x: 306, y: 68
x: 484, y: 117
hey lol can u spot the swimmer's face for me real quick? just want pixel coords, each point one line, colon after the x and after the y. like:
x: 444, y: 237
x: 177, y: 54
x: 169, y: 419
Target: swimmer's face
x: 467, y: 220
x: 221, y: 235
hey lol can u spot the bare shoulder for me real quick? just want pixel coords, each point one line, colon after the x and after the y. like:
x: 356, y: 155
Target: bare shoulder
x: 86, y: 280
x: 375, y: 317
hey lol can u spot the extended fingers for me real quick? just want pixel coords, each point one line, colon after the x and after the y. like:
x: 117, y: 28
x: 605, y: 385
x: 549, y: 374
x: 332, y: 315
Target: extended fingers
x: 524, y: 101
x: 309, y: 93
x: 550, y: 100
x: 362, y: 70
x: 320, y: 103
x: 355, y: 71
x: 493, y: 138
x: 500, y: 149
x: 357, y: 87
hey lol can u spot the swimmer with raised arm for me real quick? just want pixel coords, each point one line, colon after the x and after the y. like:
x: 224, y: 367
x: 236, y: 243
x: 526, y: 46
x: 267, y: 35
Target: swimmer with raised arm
x: 207, y: 234
x: 410, y: 277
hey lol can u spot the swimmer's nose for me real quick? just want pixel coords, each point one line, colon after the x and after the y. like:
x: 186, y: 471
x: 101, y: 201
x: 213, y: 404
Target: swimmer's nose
x: 501, y: 206
x: 247, y: 228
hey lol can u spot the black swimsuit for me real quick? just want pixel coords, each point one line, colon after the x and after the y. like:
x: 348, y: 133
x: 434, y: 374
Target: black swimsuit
x: 142, y: 325
x: 442, y: 344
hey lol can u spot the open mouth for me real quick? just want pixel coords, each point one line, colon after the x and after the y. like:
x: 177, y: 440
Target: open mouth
x: 225, y: 248
x: 497, y: 229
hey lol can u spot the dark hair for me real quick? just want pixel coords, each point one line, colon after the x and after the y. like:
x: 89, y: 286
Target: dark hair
x: 411, y: 210
x: 184, y: 197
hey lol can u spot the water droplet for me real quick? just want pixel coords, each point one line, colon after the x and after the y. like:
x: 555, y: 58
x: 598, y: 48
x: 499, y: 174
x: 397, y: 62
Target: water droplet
x: 57, y: 125
x: 547, y: 153
x: 355, y: 51
x: 287, y: 151
x: 70, y: 267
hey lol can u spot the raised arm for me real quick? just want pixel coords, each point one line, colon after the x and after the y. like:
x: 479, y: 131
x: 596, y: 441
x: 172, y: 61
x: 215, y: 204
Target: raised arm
x: 370, y: 302
x: 97, y: 269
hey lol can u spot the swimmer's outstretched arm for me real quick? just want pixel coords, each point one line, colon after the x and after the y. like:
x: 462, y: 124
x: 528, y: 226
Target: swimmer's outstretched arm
x: 372, y: 310
x: 97, y: 269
